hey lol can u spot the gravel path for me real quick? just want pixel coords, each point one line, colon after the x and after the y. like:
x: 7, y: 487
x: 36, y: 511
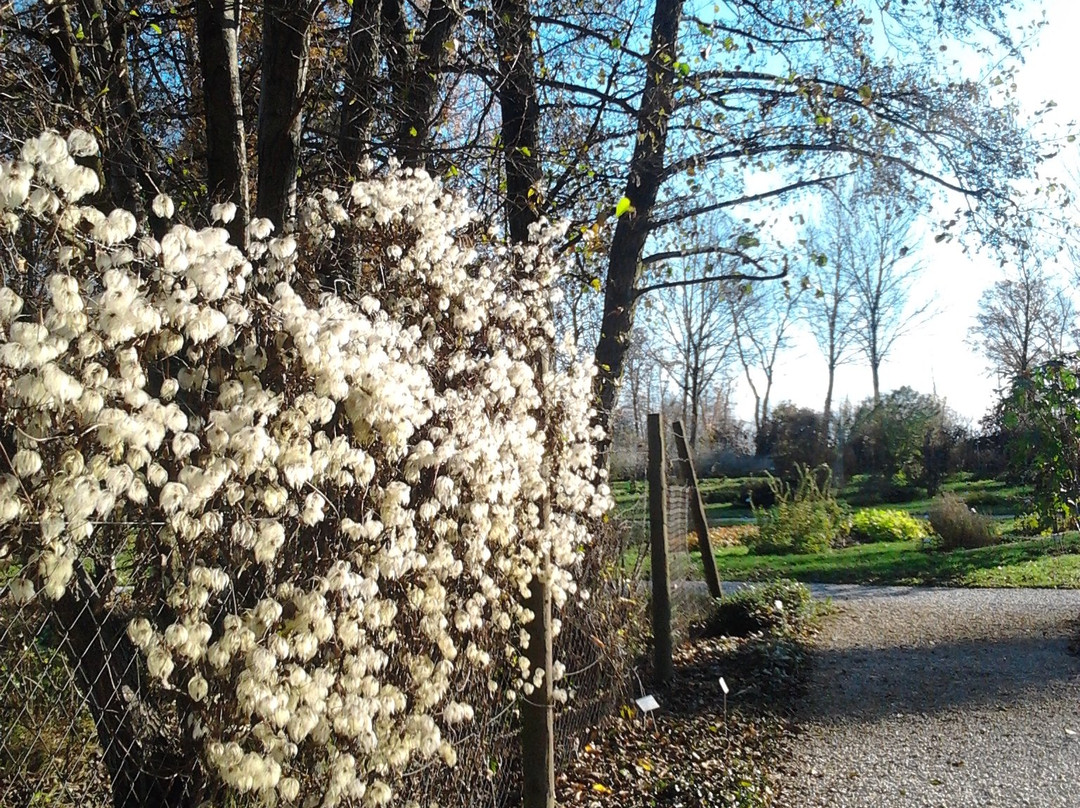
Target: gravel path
x: 957, y: 698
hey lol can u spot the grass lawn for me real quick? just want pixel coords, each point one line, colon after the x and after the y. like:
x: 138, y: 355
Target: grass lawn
x: 725, y: 498
x: 1042, y: 562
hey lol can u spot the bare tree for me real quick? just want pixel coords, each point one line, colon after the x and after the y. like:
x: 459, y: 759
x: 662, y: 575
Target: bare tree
x: 641, y: 393
x: 1022, y: 321
x: 873, y: 222
x: 829, y: 311
x: 763, y: 317
x: 695, y: 339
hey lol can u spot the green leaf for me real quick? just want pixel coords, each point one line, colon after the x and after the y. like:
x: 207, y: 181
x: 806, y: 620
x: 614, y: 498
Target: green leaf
x: 156, y: 28
x: 595, y: 284
x: 525, y: 150
x: 623, y: 206
x: 748, y: 240
x: 412, y: 131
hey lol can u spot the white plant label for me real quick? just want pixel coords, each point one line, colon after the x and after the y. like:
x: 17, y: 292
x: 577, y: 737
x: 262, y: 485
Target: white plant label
x: 647, y: 704
x: 723, y: 686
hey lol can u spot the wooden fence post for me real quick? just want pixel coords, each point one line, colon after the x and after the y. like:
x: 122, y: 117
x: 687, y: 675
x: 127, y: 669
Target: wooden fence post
x: 661, y: 576
x: 537, y: 716
x: 697, y: 509
x: 537, y: 732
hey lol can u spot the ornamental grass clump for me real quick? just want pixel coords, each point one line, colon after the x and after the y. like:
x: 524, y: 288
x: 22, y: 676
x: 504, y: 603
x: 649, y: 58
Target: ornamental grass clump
x: 960, y: 527
x: 332, y: 499
x: 806, y: 518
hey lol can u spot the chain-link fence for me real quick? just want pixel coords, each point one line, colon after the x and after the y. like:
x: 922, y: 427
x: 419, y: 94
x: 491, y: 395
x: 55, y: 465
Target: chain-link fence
x: 49, y: 754
x: 75, y: 731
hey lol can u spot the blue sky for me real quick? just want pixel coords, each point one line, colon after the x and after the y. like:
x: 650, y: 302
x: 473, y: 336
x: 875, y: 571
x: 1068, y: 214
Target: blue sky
x: 936, y: 356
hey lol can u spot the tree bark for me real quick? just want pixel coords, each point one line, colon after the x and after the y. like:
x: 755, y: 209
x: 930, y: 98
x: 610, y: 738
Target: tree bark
x: 226, y: 150
x: 286, y: 50
x: 127, y: 158
x: 520, y: 115
x: 826, y: 414
x: 358, y: 101
x: 60, y: 41
x: 218, y: 22
x: 645, y: 177
x: 417, y: 92
x: 144, y: 767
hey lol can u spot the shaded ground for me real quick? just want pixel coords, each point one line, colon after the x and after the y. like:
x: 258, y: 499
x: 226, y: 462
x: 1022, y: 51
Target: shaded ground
x: 937, y: 697
x: 691, y: 753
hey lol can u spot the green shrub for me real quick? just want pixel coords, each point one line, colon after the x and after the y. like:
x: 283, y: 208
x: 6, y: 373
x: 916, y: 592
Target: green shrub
x: 881, y: 524
x: 805, y: 518
x: 776, y: 607
x: 1027, y: 524
x: 958, y: 526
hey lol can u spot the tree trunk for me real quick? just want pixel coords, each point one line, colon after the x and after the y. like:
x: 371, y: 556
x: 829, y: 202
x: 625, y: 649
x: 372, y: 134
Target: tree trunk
x: 286, y: 40
x: 358, y: 102
x: 645, y: 176
x: 226, y: 151
x: 60, y: 41
x: 144, y: 767
x: 416, y: 92
x: 127, y: 158
x: 520, y: 115
x: 826, y: 414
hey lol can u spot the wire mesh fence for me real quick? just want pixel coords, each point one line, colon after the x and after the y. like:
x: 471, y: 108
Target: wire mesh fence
x: 48, y: 749
x: 75, y: 730
x: 689, y: 595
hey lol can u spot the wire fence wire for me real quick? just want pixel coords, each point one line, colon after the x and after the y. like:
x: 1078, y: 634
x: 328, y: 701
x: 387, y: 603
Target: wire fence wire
x: 48, y: 751
x: 689, y: 596
x: 75, y: 732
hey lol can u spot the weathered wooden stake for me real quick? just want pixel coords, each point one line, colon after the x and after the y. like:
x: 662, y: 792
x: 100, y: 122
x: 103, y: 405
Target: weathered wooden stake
x: 661, y: 576
x: 537, y: 733
x: 697, y: 509
x: 537, y: 716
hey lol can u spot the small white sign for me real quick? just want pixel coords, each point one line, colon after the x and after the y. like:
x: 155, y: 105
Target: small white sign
x: 723, y: 686
x: 647, y: 704
x: 779, y: 604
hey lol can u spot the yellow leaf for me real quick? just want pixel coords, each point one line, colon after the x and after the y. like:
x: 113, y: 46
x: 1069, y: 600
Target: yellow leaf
x: 622, y: 207
x: 600, y: 788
